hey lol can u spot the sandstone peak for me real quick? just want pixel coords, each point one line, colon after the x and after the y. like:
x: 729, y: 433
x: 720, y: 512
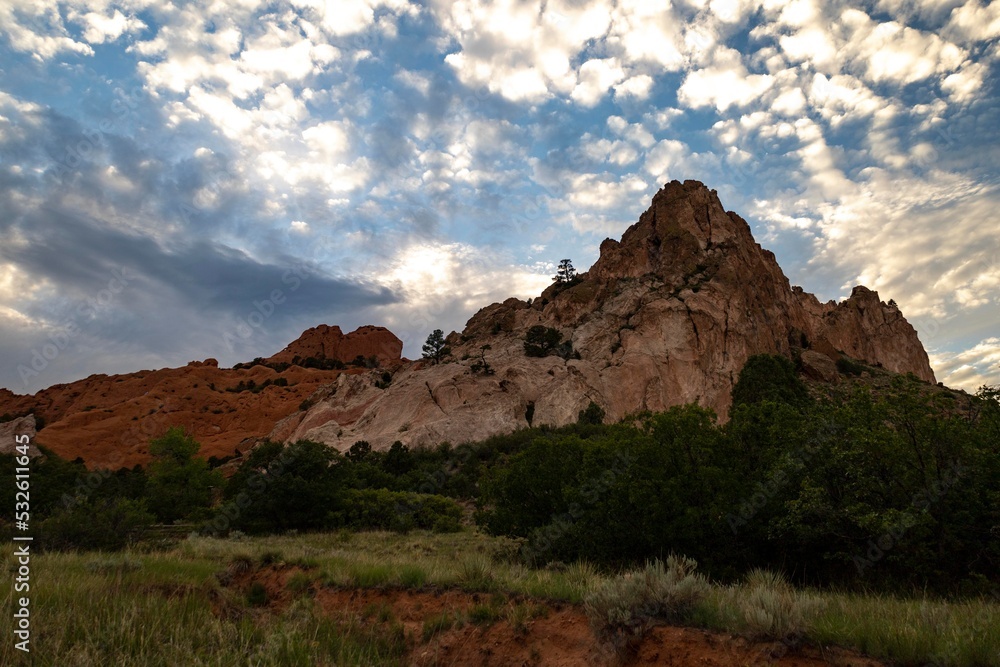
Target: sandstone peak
x: 667, y: 315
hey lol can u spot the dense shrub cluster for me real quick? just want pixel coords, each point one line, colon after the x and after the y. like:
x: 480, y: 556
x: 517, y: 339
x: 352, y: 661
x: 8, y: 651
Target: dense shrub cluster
x: 399, y: 511
x: 874, y: 489
x: 309, y: 486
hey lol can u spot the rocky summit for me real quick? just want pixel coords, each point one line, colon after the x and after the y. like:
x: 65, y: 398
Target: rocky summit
x: 667, y: 315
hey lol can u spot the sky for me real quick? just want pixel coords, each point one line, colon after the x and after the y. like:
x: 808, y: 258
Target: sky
x: 210, y: 179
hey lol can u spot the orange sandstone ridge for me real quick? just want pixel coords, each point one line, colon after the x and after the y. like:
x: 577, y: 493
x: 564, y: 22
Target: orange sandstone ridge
x: 109, y: 420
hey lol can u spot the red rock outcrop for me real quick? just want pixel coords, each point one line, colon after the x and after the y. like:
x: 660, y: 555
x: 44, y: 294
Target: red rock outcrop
x: 326, y: 342
x: 667, y: 315
x: 109, y: 420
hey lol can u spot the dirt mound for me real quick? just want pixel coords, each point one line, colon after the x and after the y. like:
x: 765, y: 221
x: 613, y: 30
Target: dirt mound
x: 558, y: 635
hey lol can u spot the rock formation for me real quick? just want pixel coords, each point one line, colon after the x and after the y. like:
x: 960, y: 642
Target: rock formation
x: 667, y: 315
x: 326, y: 342
x: 109, y: 420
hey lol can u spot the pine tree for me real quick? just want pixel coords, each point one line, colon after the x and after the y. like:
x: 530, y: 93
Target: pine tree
x: 435, y: 348
x: 565, y: 273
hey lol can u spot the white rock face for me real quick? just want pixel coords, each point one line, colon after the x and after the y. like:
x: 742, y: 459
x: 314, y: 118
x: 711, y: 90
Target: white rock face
x: 666, y: 316
x: 9, y: 431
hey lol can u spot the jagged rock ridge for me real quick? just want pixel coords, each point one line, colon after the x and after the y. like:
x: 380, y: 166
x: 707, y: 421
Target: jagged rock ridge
x: 667, y: 315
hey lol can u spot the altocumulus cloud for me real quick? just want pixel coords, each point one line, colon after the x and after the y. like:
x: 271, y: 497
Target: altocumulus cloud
x: 166, y: 170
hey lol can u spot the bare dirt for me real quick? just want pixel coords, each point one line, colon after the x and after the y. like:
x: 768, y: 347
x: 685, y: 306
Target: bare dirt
x: 548, y: 634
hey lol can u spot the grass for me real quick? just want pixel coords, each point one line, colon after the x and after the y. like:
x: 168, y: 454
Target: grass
x: 520, y: 615
x: 623, y: 609
x: 257, y: 595
x: 370, y: 575
x: 86, y: 610
x: 924, y: 632
x: 772, y: 609
x: 299, y: 582
x: 440, y: 623
x: 159, y: 608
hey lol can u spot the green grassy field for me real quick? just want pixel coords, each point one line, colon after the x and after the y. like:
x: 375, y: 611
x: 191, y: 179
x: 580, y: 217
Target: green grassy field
x: 163, y: 607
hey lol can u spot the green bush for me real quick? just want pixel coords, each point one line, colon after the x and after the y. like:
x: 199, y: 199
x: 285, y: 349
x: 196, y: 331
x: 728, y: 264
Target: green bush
x: 540, y: 341
x: 101, y: 525
x: 399, y: 511
x: 769, y: 377
x: 848, y: 366
x: 279, y: 488
x: 476, y: 574
x: 179, y: 484
x: 772, y: 610
x: 593, y: 414
x: 257, y: 595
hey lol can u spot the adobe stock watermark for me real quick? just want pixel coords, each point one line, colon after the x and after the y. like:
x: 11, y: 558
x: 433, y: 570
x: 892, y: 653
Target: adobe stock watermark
x: 920, y: 503
x: 60, y: 339
x: 263, y: 309
x: 779, y: 479
x: 22, y: 552
x: 93, y: 140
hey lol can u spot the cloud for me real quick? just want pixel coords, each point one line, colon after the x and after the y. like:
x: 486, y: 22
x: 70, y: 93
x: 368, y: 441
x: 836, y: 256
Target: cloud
x: 100, y: 28
x: 725, y: 84
x: 637, y: 87
x: 595, y: 77
x: 969, y: 369
x: 40, y: 31
x: 441, y: 285
x: 196, y: 295
x: 975, y: 21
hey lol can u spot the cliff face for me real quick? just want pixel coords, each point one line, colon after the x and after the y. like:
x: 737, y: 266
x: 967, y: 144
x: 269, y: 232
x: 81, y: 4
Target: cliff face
x: 109, y: 420
x: 667, y: 315
x: 326, y: 342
